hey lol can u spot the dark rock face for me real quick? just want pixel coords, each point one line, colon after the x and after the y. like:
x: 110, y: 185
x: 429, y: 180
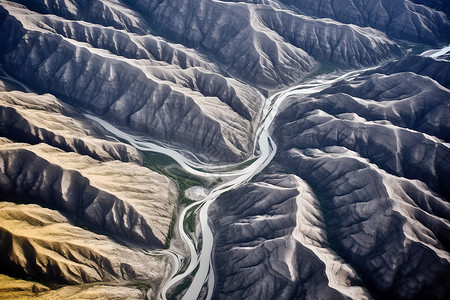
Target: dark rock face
x: 383, y: 118
x: 370, y: 160
x: 438, y: 70
x: 266, y: 248
x: 375, y: 230
x: 425, y: 23
x: 382, y: 225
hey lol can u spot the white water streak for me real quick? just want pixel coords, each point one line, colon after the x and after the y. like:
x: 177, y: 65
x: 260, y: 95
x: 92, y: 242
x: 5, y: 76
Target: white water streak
x: 436, y: 53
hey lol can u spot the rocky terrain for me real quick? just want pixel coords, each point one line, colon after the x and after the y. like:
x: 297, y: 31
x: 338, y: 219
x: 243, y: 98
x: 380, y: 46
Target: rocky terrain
x: 355, y: 204
x: 37, y: 119
x: 83, y: 197
x: 156, y: 93
x: 437, y: 69
x: 361, y: 183
x: 126, y: 200
x: 43, y: 244
x: 421, y: 21
x: 114, y: 64
x: 273, y: 244
x: 12, y: 288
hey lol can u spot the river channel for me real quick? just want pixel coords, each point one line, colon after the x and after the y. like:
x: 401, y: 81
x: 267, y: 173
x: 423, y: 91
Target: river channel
x: 265, y: 149
x: 200, y: 256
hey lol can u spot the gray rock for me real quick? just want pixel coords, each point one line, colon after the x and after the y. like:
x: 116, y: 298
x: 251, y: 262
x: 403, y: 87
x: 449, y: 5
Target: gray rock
x: 380, y: 224
x: 437, y: 69
x: 397, y: 18
x: 382, y: 118
x: 271, y: 243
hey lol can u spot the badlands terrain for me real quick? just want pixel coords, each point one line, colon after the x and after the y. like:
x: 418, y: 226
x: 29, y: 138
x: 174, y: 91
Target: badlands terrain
x: 303, y: 149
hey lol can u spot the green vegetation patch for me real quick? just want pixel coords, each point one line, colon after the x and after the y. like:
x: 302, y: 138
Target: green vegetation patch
x: 216, y: 182
x: 324, y: 68
x: 157, y: 159
x: 419, y: 49
x: 167, y: 166
x: 189, y: 220
x: 180, y: 288
x: 244, y: 164
x: 170, y: 232
x: 141, y: 285
x: 185, y: 284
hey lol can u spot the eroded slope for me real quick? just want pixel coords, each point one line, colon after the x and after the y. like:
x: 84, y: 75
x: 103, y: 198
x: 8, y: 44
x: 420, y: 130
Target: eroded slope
x: 123, y: 199
x: 32, y: 118
x: 272, y: 243
x: 364, y: 211
x: 424, y: 21
x: 41, y: 243
x: 163, y: 68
